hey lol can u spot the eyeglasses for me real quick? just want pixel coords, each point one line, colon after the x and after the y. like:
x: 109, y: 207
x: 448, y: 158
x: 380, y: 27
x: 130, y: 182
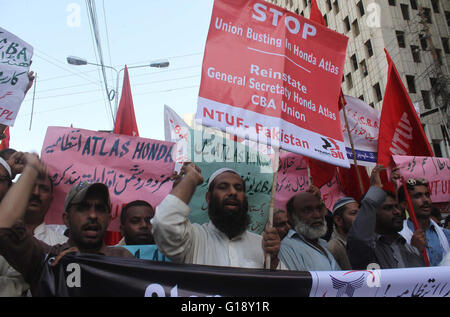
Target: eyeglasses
x: 416, y: 181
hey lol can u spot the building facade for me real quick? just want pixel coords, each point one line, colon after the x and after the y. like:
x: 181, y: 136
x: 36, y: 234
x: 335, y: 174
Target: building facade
x: 416, y: 35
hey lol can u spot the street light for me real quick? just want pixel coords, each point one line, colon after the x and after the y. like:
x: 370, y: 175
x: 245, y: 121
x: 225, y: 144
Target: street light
x: 77, y: 61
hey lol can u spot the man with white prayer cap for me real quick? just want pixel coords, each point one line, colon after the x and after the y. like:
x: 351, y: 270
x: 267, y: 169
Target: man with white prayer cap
x: 224, y: 240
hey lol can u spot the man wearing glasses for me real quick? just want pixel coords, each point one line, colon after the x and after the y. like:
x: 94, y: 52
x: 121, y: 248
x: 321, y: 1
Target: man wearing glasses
x: 436, y: 239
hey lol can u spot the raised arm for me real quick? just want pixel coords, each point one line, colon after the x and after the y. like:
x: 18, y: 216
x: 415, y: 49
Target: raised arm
x: 14, y: 204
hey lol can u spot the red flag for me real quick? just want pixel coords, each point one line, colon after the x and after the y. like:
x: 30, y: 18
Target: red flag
x: 401, y: 132
x: 315, y: 14
x: 348, y: 179
x: 5, y: 142
x: 125, y: 124
x: 125, y: 118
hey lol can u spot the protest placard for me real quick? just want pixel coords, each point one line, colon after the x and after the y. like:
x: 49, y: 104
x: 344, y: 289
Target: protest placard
x: 15, y: 61
x: 363, y: 123
x: 211, y: 152
x: 280, y: 80
x: 436, y: 170
x: 133, y: 168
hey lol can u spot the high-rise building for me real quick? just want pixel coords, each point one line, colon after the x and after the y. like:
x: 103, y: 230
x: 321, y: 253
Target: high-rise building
x: 416, y: 35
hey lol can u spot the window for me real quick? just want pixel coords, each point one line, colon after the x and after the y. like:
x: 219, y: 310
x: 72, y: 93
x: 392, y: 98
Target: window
x: 444, y: 41
x: 355, y: 28
x: 363, y: 67
x: 329, y: 7
x: 400, y: 38
x: 435, y: 4
x: 437, y: 148
x: 336, y: 7
x: 354, y: 61
x: 405, y: 11
x: 326, y: 19
x: 411, y: 84
x: 423, y: 41
x: 368, y: 46
x: 434, y: 85
x: 439, y: 55
x: 372, y: 105
x: 414, y: 4
x: 427, y: 15
x: 349, y: 80
x: 360, y: 6
x: 447, y: 17
x: 377, y: 92
x: 361, y: 97
x: 305, y: 3
x: 297, y: 11
x: 415, y: 52
x: 347, y: 24
x: 426, y: 99
x: 392, y: 3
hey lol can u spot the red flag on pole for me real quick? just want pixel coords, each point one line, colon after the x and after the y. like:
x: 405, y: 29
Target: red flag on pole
x: 5, y: 142
x: 401, y: 132
x: 125, y: 124
x: 125, y: 119
x: 321, y: 173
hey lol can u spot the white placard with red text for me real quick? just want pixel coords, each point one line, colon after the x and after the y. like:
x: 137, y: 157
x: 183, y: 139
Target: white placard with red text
x: 274, y: 77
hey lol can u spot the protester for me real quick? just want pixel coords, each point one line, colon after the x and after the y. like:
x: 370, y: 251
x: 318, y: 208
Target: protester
x: 436, y: 216
x: 374, y: 238
x: 224, y: 241
x: 13, y: 158
x: 344, y: 213
x: 135, y: 225
x: 86, y: 214
x: 281, y: 223
x: 437, y: 238
x: 302, y: 249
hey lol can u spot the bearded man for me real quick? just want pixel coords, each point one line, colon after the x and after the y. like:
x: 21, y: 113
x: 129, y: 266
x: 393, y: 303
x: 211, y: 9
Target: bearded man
x: 303, y: 249
x: 224, y: 241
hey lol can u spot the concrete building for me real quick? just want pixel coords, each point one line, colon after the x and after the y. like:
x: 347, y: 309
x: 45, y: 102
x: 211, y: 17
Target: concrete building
x: 416, y: 35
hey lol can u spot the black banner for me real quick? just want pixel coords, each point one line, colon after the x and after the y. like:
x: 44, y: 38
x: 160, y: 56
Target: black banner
x: 89, y: 275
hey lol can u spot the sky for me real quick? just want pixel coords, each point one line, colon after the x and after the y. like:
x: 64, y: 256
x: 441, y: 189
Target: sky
x: 132, y: 33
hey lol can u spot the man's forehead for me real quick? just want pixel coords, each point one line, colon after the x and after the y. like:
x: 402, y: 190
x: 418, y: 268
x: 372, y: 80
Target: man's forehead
x: 304, y: 199
x: 135, y: 210
x: 419, y: 189
x: 228, y: 177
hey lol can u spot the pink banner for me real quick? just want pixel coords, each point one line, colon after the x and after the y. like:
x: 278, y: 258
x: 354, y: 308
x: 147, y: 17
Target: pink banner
x: 292, y: 178
x: 436, y: 170
x: 133, y: 168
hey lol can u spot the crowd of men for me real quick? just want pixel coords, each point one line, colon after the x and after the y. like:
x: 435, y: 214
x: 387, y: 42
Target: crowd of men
x: 372, y: 231
x: 305, y: 236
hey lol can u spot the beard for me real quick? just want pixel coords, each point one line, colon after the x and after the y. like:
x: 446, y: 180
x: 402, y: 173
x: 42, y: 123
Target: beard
x: 308, y: 231
x: 230, y: 222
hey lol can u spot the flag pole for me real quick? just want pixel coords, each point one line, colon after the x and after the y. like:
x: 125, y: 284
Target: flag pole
x: 361, y: 187
x: 412, y: 214
x: 275, y: 165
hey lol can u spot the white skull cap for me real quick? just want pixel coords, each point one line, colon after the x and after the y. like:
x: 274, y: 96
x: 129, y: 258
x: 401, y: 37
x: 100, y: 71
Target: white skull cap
x: 220, y: 171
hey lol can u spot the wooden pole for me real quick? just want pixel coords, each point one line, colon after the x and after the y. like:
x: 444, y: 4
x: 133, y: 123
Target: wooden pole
x: 361, y: 187
x: 275, y: 165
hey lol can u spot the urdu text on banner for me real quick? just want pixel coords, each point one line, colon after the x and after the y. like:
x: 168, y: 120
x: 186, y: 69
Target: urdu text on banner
x: 274, y: 77
x: 133, y: 168
x: 15, y: 61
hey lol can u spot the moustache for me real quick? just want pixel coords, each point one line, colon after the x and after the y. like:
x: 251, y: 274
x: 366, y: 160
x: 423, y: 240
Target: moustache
x: 35, y: 198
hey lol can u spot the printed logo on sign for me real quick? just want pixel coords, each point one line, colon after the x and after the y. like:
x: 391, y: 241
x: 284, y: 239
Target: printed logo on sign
x: 348, y: 288
x: 331, y: 148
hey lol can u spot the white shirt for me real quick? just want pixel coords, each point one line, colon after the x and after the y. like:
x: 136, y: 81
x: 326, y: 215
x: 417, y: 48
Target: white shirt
x: 11, y: 282
x: 184, y: 242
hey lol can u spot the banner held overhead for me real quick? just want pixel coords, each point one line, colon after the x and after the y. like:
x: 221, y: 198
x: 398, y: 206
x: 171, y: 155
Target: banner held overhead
x: 274, y: 77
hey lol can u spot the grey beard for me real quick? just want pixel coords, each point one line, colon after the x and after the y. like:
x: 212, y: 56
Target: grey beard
x: 307, y: 231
